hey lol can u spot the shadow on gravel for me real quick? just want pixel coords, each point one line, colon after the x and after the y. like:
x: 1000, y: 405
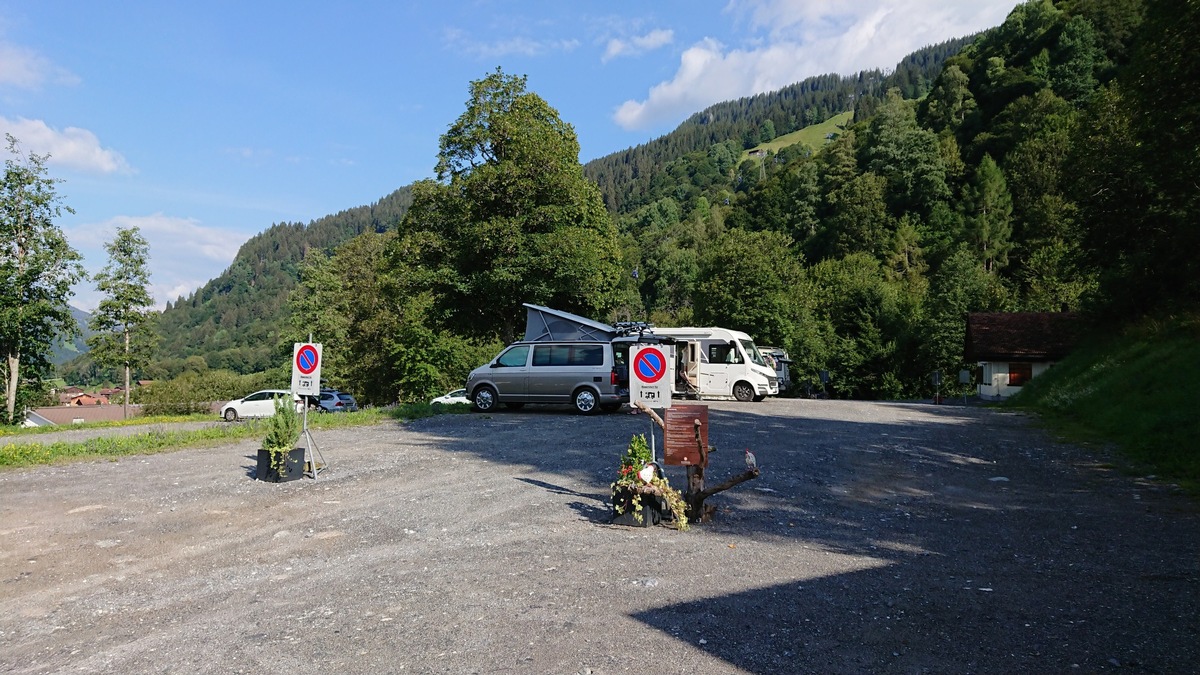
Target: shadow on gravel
x: 252, y: 467
x: 975, y: 544
x: 596, y: 510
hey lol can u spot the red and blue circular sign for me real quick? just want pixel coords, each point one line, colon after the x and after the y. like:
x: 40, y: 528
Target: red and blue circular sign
x: 307, y: 359
x: 650, y: 365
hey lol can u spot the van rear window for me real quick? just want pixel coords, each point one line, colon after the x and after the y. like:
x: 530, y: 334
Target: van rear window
x: 568, y: 355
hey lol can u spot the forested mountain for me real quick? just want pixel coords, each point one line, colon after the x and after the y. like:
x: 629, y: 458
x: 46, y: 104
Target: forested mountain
x: 65, y: 351
x: 1050, y: 165
x: 634, y: 177
x: 235, y: 321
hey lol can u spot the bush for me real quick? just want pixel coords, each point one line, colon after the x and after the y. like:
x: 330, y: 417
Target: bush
x: 283, y: 429
x: 196, y: 392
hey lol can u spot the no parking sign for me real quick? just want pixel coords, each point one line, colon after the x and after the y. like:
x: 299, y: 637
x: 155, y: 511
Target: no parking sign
x: 649, y: 378
x: 306, y: 368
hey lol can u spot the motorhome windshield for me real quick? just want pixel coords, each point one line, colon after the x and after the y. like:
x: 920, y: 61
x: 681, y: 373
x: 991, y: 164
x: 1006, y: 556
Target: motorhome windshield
x: 753, y: 353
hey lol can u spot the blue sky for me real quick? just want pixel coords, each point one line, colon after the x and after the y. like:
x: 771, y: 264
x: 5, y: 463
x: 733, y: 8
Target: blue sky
x: 203, y: 123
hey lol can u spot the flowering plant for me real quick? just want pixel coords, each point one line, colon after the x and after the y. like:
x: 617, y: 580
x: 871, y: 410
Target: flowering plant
x: 640, y: 476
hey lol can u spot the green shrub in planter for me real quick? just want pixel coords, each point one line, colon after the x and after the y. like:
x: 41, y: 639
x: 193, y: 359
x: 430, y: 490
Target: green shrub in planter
x: 284, y: 460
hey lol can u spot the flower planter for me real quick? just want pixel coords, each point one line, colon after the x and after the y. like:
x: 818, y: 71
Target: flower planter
x: 652, y: 509
x: 292, y: 469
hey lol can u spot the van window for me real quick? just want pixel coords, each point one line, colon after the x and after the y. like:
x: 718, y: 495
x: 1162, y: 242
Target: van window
x: 752, y: 350
x: 723, y: 352
x: 514, y: 357
x: 568, y: 355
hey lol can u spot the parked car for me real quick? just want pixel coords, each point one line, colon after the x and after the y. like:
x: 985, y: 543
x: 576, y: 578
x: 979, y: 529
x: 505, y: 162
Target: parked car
x: 456, y: 396
x: 329, y: 401
x: 258, y: 404
x: 349, y: 404
x: 591, y: 376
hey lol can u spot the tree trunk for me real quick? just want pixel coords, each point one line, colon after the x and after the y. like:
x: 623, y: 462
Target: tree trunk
x: 13, y: 362
x: 125, y: 402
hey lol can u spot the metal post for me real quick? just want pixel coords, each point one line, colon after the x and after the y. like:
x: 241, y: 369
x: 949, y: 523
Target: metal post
x: 653, y: 453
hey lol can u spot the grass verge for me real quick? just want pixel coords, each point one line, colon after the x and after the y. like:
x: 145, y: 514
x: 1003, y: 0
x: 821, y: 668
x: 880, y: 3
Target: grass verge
x: 157, y: 438
x: 1138, y: 392
x: 131, y: 422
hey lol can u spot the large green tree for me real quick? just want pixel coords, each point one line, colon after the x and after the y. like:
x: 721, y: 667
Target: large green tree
x: 123, y: 325
x: 511, y: 218
x: 988, y: 207
x: 37, y: 269
x: 745, y: 282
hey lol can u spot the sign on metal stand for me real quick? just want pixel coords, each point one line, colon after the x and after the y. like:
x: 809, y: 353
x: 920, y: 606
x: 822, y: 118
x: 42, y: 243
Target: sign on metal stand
x: 306, y: 368
x: 306, y: 381
x: 650, y: 379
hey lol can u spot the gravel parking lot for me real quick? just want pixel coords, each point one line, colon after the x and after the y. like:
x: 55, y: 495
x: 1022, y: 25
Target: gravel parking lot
x: 881, y: 537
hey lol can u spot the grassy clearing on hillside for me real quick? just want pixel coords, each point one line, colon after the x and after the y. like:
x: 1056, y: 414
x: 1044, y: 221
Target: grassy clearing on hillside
x: 813, y: 136
x: 1138, y: 391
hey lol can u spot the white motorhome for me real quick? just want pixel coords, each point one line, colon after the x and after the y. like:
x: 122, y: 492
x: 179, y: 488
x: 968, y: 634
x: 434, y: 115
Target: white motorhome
x: 718, y: 363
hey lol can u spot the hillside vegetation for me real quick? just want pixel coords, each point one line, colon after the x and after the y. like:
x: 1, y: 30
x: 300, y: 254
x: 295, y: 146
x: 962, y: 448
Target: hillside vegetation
x: 634, y: 177
x: 1137, y: 390
x: 1046, y: 164
x: 238, y: 320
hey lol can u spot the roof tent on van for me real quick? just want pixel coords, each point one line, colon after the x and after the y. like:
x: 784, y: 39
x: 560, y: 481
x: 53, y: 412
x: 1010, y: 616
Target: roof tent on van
x: 543, y: 324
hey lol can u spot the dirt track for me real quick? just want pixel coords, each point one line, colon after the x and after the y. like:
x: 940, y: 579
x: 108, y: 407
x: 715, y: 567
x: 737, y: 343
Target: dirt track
x: 880, y: 538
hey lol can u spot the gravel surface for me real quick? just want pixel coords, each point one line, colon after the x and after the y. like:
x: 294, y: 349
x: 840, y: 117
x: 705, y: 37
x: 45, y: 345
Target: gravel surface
x: 881, y: 537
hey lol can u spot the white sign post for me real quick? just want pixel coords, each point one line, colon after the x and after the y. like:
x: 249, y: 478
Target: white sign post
x: 306, y: 368
x: 650, y: 380
x: 306, y: 381
x: 649, y: 375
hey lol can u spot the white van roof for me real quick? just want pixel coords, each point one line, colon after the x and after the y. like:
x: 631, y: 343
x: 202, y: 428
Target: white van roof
x: 711, y: 331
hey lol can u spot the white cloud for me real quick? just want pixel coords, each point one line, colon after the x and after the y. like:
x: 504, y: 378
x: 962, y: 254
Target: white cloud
x: 184, y: 254
x: 514, y: 46
x: 26, y: 69
x: 72, y: 148
x: 659, y: 37
x: 790, y: 40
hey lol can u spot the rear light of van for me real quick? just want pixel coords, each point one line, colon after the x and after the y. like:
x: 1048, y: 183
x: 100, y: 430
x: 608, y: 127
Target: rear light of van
x: 613, y: 379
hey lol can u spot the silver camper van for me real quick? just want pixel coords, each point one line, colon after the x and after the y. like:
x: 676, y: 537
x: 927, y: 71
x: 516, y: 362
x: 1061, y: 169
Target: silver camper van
x: 563, y: 359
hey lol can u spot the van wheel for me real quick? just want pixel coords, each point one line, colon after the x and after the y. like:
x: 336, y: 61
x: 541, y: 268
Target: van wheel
x: 585, y: 401
x: 484, y: 400
x: 743, y: 392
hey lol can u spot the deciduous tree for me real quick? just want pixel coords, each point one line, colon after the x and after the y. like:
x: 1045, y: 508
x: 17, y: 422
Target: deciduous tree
x: 511, y: 218
x: 37, y: 269
x: 745, y: 283
x: 123, y: 324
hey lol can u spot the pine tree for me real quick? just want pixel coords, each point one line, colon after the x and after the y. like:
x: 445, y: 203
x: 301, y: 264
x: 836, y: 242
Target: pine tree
x: 989, y: 215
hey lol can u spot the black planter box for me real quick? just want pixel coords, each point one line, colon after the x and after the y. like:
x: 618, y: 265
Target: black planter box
x: 652, y: 510
x: 292, y: 469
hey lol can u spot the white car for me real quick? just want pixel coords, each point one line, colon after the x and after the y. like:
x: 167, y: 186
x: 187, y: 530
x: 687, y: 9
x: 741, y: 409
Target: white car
x: 258, y: 404
x: 456, y: 396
